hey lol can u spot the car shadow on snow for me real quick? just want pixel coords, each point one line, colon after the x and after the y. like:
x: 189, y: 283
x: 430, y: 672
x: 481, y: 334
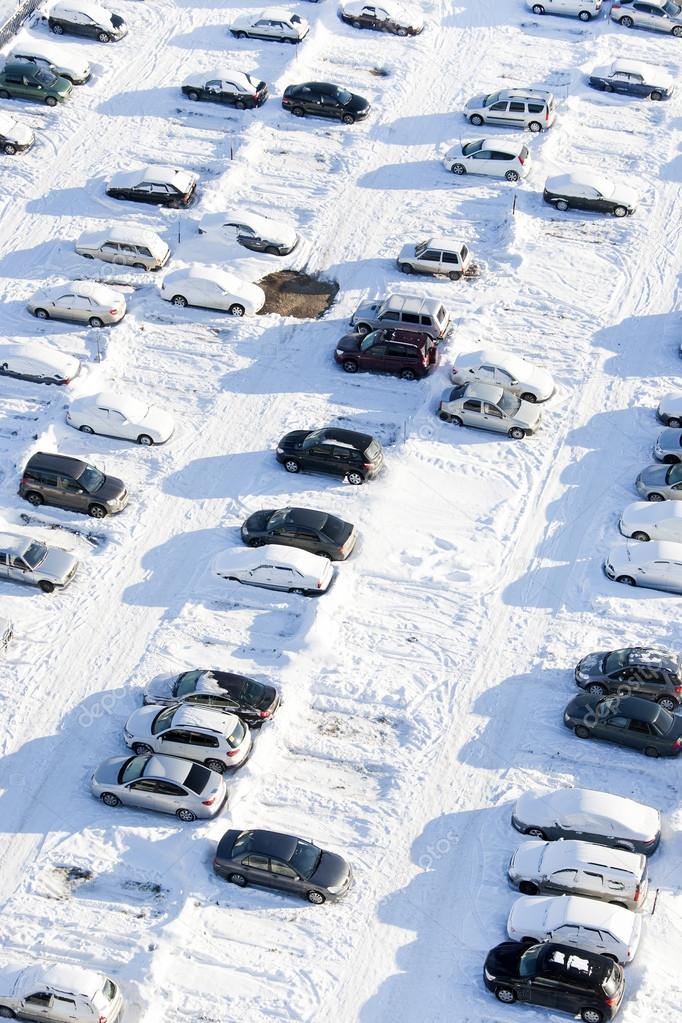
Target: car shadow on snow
x: 401, y: 176
x: 159, y: 102
x: 643, y: 346
x: 428, y: 128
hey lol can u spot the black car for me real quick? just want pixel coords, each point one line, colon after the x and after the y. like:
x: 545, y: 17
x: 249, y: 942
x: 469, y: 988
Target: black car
x: 73, y: 484
x: 409, y: 354
x: 234, y: 89
x: 557, y: 977
x: 592, y: 192
x: 226, y: 691
x: 643, y: 671
x: 354, y: 456
x: 159, y: 186
x: 324, y: 100
x: 313, y: 531
x: 80, y: 18
x: 273, y: 860
x: 626, y: 721
x: 632, y: 78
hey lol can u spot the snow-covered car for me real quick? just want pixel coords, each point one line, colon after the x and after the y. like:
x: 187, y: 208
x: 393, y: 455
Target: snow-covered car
x: 411, y: 312
x: 61, y: 991
x: 211, y: 288
x: 225, y: 691
x: 489, y: 407
x: 580, y: 868
x: 54, y: 58
x: 660, y: 483
x: 386, y: 17
x: 276, y: 568
x: 14, y: 136
x: 233, y: 88
x: 97, y: 305
x: 590, y: 816
x: 669, y: 411
x: 160, y: 186
x: 582, y: 190
x: 165, y: 784
x: 449, y: 257
x: 661, y: 16
x: 118, y: 415
x: 583, y: 9
x: 656, y: 565
x: 85, y: 18
x: 25, y: 560
x: 668, y: 446
x: 253, y: 231
x: 582, y: 923
x: 633, y: 78
x: 274, y: 23
x: 124, y: 245
x: 498, y: 158
x: 492, y: 366
x: 652, y: 520
x: 38, y: 363
x: 219, y: 741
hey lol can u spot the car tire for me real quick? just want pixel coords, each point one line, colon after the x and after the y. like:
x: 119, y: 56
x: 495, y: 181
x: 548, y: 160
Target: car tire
x: 607, y: 87
x: 4, y: 94
x: 591, y: 1016
x: 651, y: 751
x: 408, y: 374
x: 57, y: 29
x: 627, y: 580
x: 626, y: 22
x: 317, y: 898
x: 240, y: 104
x: 455, y: 420
x: 237, y: 879
x: 677, y: 31
x: 363, y: 328
x: 455, y: 275
x: 271, y: 250
x: 46, y: 586
x: 139, y: 266
x: 141, y: 748
x: 476, y: 119
x: 674, y: 422
x: 298, y: 591
x: 34, y: 498
x: 458, y: 168
x: 41, y: 314
x: 7, y: 1013
x: 86, y: 429
x: 183, y: 814
x: 517, y: 433
x: 357, y: 24
x: 179, y: 300
x: 298, y: 111
x: 561, y: 205
x: 667, y: 703
x: 109, y: 799
x: 239, y: 35
x: 596, y: 689
x: 535, y: 127
x: 405, y: 268
x: 505, y: 994
x: 145, y: 440
x: 236, y: 309
x: 50, y: 101
x: 291, y: 465
x: 95, y: 321
x: 256, y: 542
x: 512, y: 175
x: 356, y: 479
x: 639, y: 535
x: 670, y: 459
x: 655, y: 95
x: 527, y: 396
x: 348, y: 119
x: 655, y: 497
x: 104, y: 37
x: 584, y: 15
x: 9, y: 149
x: 215, y: 765
x: 194, y: 96
x: 582, y: 731
x: 528, y: 888
x: 350, y: 365
x: 97, y: 511
x: 536, y: 833
x: 402, y: 32
x: 620, y: 211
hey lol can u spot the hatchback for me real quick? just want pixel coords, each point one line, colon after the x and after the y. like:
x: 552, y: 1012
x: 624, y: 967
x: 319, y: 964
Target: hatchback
x: 659, y: 17
x: 38, y: 363
x: 26, y: 81
x: 309, y: 530
x: 26, y: 560
x: 435, y: 256
x: 656, y: 565
x: 85, y: 302
x: 586, y: 191
x: 386, y: 17
x: 223, y: 691
x: 626, y: 721
x: 411, y: 312
x: 492, y: 366
x: 652, y: 520
x: 633, y: 78
x: 14, y: 136
x: 275, y: 567
x: 165, y: 784
x: 85, y: 18
x: 643, y: 671
x: 405, y: 353
x: 496, y: 158
x: 61, y: 991
x: 322, y: 99
x: 530, y: 108
x: 219, y: 741
x: 488, y: 407
x: 660, y: 483
x: 72, y: 484
x: 354, y: 456
x: 231, y: 88
x: 583, y: 9
x: 572, y: 920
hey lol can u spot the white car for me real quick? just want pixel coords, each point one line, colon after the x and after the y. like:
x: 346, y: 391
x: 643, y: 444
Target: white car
x: 87, y: 302
x: 669, y: 410
x: 276, y: 568
x: 583, y: 9
x: 124, y: 245
x: 214, y: 739
x: 572, y: 920
x: 492, y: 366
x: 652, y: 520
x: 387, y: 17
x: 212, y: 289
x: 118, y: 415
x: 52, y: 58
x: 498, y: 158
x: 60, y: 991
x: 273, y: 23
x: 38, y: 363
x: 656, y: 565
x: 14, y: 136
x: 259, y: 233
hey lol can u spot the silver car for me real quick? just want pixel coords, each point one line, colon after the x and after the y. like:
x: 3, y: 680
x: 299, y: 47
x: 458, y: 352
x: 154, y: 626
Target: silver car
x: 446, y: 256
x: 664, y: 16
x: 24, y: 560
x: 668, y: 446
x: 660, y: 483
x: 79, y: 302
x: 165, y: 784
x: 489, y: 408
x: 59, y: 992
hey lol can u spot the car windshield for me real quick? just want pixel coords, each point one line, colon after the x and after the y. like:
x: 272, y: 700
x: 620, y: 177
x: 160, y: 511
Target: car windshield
x: 421, y: 247
x: 674, y: 474
x: 491, y: 98
x: 369, y: 340
x: 672, y: 9
x: 305, y: 858
x: 509, y: 403
x: 198, y: 778
x: 616, y: 659
x: 316, y: 437
x: 278, y: 518
x: 238, y: 733
x: 35, y: 555
x: 664, y: 721
x: 529, y: 961
x: 472, y: 147
x: 91, y: 479
x: 44, y: 76
x: 133, y: 770
x: 344, y: 97
x: 187, y: 682
x: 162, y: 720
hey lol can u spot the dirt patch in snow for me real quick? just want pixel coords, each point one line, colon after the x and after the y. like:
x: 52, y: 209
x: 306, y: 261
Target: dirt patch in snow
x: 290, y: 293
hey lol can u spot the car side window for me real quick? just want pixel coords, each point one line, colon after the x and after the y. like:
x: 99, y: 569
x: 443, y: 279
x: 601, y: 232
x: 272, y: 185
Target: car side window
x: 410, y: 318
x: 110, y: 247
x: 145, y: 785
x: 450, y: 257
x: 483, y: 154
x: 641, y: 727
x: 69, y: 485
x: 618, y: 721
x: 175, y: 735
x: 492, y: 410
x: 565, y: 877
x: 499, y: 106
x: 41, y: 999
x: 282, y: 869
x: 167, y: 788
x: 201, y: 739
x: 259, y: 862
x: 3, y: 558
x: 535, y: 108
x: 390, y: 315
x: 517, y: 108
x: 18, y: 563
x: 431, y: 255
x: 472, y: 406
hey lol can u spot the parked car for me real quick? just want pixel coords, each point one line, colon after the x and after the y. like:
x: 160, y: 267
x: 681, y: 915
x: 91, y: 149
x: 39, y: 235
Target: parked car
x: 498, y: 158
x: 652, y: 520
x: 590, y: 816
x: 660, y: 483
x: 583, y: 9
x: 52, y: 58
x: 253, y: 231
x: 86, y: 302
x: 413, y: 312
x: 305, y: 528
x: 14, y: 136
x: 582, y: 923
x: 124, y: 245
x: 209, y: 288
x: 580, y: 868
x: 586, y: 191
x: 84, y: 18
x: 29, y: 561
x: 669, y: 410
x: 386, y: 18
x: 668, y: 446
x: 626, y: 721
x: 656, y: 565
x: 322, y: 99
x: 489, y: 407
x: 160, y: 186
x: 223, y: 691
x: 276, y: 568
x: 581, y: 982
x: 72, y: 484
x: 492, y: 366
x: 640, y: 670
x: 660, y: 17
x: 273, y: 23
x: 219, y: 741
x: 232, y: 88
x: 438, y: 256
x: 273, y: 860
x: 38, y: 363
x: 25, y: 81
x: 534, y: 109
x: 633, y: 78
x: 354, y: 456
x: 50, y: 991
x: 409, y: 354
x: 165, y: 784
x: 117, y: 415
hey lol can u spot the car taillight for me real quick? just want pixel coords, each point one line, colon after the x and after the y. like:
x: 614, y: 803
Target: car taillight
x: 103, y: 1019
x: 611, y: 1001
x: 264, y: 713
x: 678, y: 689
x: 208, y: 802
x: 677, y: 743
x: 650, y: 841
x: 547, y: 113
x: 368, y: 465
x: 319, y: 584
x: 521, y: 161
x: 637, y: 893
x: 112, y: 312
x: 232, y: 752
x: 285, y: 101
x: 68, y: 381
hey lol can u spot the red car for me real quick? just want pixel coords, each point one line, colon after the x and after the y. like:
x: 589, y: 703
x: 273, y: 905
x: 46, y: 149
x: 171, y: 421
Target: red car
x: 409, y: 354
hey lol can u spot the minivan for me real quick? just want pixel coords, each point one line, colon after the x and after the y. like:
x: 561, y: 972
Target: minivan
x: 85, y: 18
x: 583, y: 9
x: 72, y: 484
x: 405, y: 353
x: 354, y: 456
x: 413, y: 312
x: 534, y: 109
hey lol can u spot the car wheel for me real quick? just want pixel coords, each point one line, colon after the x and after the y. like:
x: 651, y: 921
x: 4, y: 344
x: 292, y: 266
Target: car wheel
x: 6, y: 1012
x: 179, y: 300
x: 401, y: 32
x: 236, y: 309
x: 505, y: 994
x: 476, y: 119
x: 42, y: 314
x: 348, y: 119
x: 458, y: 168
x: 655, y: 95
x: 561, y: 205
x: 58, y: 30
x: 317, y: 898
x: 405, y: 268
x: 517, y: 433
x: 455, y: 275
x: 46, y: 586
x: 104, y: 37
x: 535, y: 127
x: 86, y: 429
x: 528, y: 888
x: 584, y: 15
x: 298, y: 591
x: 667, y: 703
x: 140, y: 748
x: 356, y: 24
x: 512, y: 175
x: 237, y: 879
x: 455, y: 420
x: 216, y: 765
x: 240, y: 104
x: 591, y: 1016
x: 675, y: 423
x: 639, y: 535
x: 596, y: 689
x: 582, y: 732
x: 350, y: 366
x: 97, y: 511
x: 139, y: 266
x: 298, y: 111
x: 271, y: 250
x: 651, y: 751
x: 109, y: 799
x: 627, y: 580
x: 607, y: 87
x: 671, y: 459
x: 408, y: 374
x: 363, y: 328
x: 34, y: 498
x: 655, y: 497
x: 194, y: 96
x: 95, y: 321
x: 535, y: 833
x: 9, y: 149
x: 356, y: 479
x: 4, y: 94
x: 50, y: 101
x: 291, y: 465
x: 620, y: 211
x: 145, y: 440
x: 256, y: 542
x: 626, y: 22
x: 677, y: 31
x: 527, y: 396
x: 185, y: 815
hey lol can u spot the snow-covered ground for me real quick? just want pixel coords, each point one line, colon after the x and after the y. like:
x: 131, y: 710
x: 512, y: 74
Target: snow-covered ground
x: 425, y: 691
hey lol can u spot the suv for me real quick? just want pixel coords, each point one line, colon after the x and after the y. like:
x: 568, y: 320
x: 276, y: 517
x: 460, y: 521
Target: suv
x: 354, y: 456
x: 583, y: 9
x: 444, y: 256
x: 427, y: 315
x: 22, y: 80
x: 665, y: 16
x: 211, y: 738
x: 634, y: 671
x: 410, y: 354
x: 520, y: 108
x: 71, y: 483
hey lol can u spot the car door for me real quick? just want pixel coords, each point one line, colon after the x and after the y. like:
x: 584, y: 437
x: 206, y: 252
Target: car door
x: 213, y: 91
x: 79, y: 309
x: 261, y: 575
x: 320, y: 458
x: 517, y: 113
x: 560, y: 881
x: 256, y: 869
x: 109, y: 252
x: 566, y: 934
x: 144, y: 793
x: 497, y: 113
x: 71, y: 494
x: 329, y: 105
x: 4, y: 567
x: 471, y: 412
x: 599, y: 940
x: 494, y: 418
x: 480, y: 163
x: 37, y: 1005
x: 175, y: 742
x: 118, y: 425
x: 372, y: 356
x: 544, y: 991
x: 15, y: 568
x: 285, y: 877
x: 262, y: 29
x: 650, y: 16
x: 48, y: 485
x: 429, y: 261
x: 283, y: 578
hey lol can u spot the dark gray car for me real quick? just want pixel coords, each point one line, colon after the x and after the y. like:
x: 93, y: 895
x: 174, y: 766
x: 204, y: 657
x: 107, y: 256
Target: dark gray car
x: 635, y: 670
x: 274, y: 860
x: 626, y: 721
x: 313, y: 531
x: 660, y: 483
x: 73, y: 484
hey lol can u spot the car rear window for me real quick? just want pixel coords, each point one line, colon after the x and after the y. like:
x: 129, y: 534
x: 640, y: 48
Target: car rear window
x: 336, y: 529
x: 535, y: 108
x: 373, y: 451
x: 238, y: 733
x: 198, y: 778
x: 611, y: 983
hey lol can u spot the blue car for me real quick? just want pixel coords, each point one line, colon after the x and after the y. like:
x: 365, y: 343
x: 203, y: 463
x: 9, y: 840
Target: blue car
x: 633, y: 78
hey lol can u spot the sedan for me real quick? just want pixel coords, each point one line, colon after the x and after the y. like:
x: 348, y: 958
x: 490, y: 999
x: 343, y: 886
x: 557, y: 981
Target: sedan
x: 386, y: 18
x: 161, y: 783
x: 652, y: 520
x: 232, y: 88
x: 253, y: 231
x: 117, y: 415
x: 14, y: 136
x: 587, y: 191
x: 20, y: 80
x: 669, y: 410
x: 273, y: 860
x: 656, y: 565
x: 276, y: 568
x: 86, y: 302
x: 646, y: 672
x: 160, y: 186
x: 626, y: 721
x: 576, y: 921
x: 488, y: 407
x: 38, y: 363
x: 275, y: 24
x: 660, y: 483
x: 664, y: 16
x: 309, y: 530
x: 24, y: 560
x: 494, y: 157
x: 53, y: 58
x: 492, y: 366
x: 324, y: 100
x: 224, y: 691
x: 633, y: 78
x: 212, y: 289
x: 668, y: 446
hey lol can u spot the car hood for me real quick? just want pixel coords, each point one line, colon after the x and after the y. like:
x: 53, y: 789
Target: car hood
x: 331, y: 870
x: 654, y: 475
x: 625, y: 195
x: 108, y: 772
x: 19, y: 133
x: 475, y: 103
x: 408, y: 251
x: 160, y: 688
x: 257, y: 522
x: 365, y: 310
x: 503, y: 960
x: 356, y: 103
x: 90, y: 239
x: 349, y: 342
x: 669, y: 439
x: 110, y: 489
x: 158, y: 420
x: 592, y: 664
x: 139, y: 723
x: 528, y: 414
x: 58, y: 564
x: 293, y: 439
x: 527, y: 859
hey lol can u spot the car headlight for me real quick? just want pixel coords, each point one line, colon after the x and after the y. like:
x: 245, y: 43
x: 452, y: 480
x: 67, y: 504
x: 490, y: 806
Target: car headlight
x: 280, y: 451
x: 488, y: 974
x: 335, y: 889
x: 582, y: 675
x: 339, y: 352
